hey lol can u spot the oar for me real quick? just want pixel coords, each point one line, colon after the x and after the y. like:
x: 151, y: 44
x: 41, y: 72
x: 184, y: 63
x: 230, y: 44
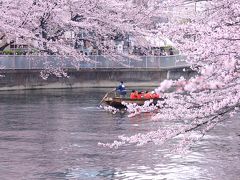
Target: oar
x: 105, y: 96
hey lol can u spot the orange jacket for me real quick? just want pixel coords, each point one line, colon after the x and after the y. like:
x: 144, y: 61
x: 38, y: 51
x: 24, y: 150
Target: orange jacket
x: 139, y: 96
x: 147, y: 96
x: 155, y: 95
x: 133, y: 95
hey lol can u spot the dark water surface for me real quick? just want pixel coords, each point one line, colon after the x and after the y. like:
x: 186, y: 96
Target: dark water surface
x: 53, y: 134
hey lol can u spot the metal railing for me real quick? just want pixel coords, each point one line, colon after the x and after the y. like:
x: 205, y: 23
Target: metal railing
x: 43, y: 62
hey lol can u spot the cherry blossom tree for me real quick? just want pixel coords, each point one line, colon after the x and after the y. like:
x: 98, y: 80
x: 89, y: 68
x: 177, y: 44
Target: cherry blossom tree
x: 56, y: 27
x: 43, y: 23
x: 211, y: 40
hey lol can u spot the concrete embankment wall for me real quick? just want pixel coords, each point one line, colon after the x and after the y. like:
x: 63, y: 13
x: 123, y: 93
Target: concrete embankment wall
x: 30, y: 79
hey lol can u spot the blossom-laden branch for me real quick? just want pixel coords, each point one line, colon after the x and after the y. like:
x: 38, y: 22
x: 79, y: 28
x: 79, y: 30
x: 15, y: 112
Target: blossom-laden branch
x: 58, y: 27
x: 43, y: 23
x: 210, y: 39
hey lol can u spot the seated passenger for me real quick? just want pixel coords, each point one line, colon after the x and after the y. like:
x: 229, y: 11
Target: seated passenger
x: 133, y: 95
x: 140, y: 95
x: 147, y: 95
x: 155, y: 95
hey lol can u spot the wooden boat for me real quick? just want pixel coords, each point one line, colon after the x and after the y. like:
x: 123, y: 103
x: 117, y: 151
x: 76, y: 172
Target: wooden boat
x: 117, y: 101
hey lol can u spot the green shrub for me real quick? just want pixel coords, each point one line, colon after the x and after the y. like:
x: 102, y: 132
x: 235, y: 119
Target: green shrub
x: 8, y: 52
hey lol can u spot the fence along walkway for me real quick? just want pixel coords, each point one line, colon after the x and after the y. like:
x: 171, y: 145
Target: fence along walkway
x: 43, y: 62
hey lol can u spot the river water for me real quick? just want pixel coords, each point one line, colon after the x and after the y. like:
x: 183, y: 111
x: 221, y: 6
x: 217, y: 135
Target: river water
x: 53, y: 134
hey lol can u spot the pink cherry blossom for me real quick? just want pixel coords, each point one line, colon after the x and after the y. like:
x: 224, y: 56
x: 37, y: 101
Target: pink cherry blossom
x: 211, y: 40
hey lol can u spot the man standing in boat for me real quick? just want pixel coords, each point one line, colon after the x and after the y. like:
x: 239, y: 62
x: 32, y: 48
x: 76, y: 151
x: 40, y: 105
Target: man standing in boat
x: 121, y: 90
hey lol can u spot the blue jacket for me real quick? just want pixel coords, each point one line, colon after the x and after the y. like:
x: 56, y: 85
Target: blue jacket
x: 121, y: 89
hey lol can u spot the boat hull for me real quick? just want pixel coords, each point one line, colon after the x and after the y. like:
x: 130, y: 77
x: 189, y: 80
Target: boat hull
x: 117, y: 101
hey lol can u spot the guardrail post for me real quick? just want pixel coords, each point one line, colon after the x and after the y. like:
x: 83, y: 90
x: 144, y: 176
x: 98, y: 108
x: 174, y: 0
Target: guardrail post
x: 159, y: 62
x: 146, y: 59
x: 14, y: 62
x: 95, y: 58
x: 29, y: 63
x: 175, y: 58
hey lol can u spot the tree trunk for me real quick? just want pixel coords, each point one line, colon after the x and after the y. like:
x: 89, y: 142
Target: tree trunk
x: 2, y: 47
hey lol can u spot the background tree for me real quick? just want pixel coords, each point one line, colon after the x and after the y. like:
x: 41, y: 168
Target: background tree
x: 43, y: 23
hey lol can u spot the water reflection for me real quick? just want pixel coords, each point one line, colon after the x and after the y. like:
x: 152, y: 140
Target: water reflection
x: 53, y: 134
